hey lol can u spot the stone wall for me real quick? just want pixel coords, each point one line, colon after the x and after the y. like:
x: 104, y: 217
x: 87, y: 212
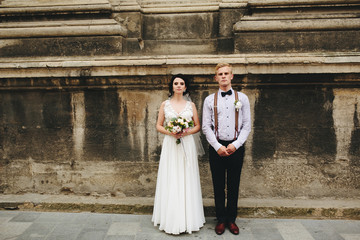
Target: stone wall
x: 81, y: 84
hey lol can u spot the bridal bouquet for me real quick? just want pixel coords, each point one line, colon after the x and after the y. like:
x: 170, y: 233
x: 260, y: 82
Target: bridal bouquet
x: 179, y: 125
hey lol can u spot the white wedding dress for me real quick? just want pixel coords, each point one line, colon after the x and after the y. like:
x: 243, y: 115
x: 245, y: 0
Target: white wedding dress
x: 178, y: 206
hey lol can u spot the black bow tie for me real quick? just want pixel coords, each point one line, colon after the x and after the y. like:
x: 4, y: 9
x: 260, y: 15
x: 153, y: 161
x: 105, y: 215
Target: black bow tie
x: 226, y: 93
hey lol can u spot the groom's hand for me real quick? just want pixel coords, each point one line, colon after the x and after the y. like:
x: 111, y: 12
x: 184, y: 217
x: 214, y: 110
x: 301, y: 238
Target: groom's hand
x: 223, y: 151
x: 230, y: 149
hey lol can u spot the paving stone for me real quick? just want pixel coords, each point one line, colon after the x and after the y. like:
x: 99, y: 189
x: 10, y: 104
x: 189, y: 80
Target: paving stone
x: 98, y: 221
x: 114, y: 237
x: 26, y: 217
x: 91, y: 234
x: 51, y: 217
x: 11, y: 230
x: 124, y: 228
x: 351, y: 236
x: 66, y: 231
x: 95, y: 226
x: 37, y: 231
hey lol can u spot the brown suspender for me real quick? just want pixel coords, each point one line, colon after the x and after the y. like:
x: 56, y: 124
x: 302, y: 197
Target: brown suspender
x: 216, y: 116
x: 236, y: 117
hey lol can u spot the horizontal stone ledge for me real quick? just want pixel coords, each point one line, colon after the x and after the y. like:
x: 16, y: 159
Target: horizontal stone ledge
x: 170, y: 6
x: 165, y: 65
x: 175, y: 5
x: 166, y: 7
x: 65, y: 23
x: 232, y: 5
x: 27, y: 3
x: 173, y: 2
x: 127, y: 8
x: 297, y: 25
x: 300, y: 17
x: 55, y: 9
x: 180, y: 9
x: 289, y: 3
x: 51, y: 84
x: 61, y: 31
x: 247, y: 207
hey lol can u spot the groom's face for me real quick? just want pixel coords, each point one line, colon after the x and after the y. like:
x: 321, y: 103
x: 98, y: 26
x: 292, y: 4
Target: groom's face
x: 224, y: 76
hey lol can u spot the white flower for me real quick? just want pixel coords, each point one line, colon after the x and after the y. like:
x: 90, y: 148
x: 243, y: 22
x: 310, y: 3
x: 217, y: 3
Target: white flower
x: 176, y: 129
x: 238, y: 105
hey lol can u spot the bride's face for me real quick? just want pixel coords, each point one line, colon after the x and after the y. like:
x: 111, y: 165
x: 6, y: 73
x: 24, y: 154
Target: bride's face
x: 179, y: 85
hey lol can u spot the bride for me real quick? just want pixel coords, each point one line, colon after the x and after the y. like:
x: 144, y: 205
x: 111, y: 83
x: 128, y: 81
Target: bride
x: 178, y: 206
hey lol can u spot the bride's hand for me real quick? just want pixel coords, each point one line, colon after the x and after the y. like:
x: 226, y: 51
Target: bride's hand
x: 185, y: 133
x: 177, y: 135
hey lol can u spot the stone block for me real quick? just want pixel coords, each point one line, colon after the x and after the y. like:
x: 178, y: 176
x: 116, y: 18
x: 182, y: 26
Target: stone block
x: 225, y: 45
x: 133, y: 46
x: 314, y: 41
x: 21, y: 7
x: 176, y: 47
x: 61, y: 46
x: 227, y: 19
x: 272, y: 35
x: 180, y: 26
x: 132, y: 21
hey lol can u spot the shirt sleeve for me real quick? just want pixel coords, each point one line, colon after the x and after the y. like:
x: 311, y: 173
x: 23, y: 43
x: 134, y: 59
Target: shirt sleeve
x: 207, y: 123
x: 245, y: 128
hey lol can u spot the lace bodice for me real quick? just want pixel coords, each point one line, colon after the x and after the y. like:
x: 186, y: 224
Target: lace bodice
x: 170, y: 113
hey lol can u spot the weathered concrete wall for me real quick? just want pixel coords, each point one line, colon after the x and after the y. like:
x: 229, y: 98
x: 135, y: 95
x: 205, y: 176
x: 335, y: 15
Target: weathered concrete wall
x: 81, y: 83
x: 305, y: 140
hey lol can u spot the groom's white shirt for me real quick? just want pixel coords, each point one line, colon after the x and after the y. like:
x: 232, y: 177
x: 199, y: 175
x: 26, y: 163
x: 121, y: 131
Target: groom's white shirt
x: 226, y: 119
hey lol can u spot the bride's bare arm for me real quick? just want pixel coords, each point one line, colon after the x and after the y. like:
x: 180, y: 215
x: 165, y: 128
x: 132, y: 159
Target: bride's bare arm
x: 160, y: 121
x: 196, y: 127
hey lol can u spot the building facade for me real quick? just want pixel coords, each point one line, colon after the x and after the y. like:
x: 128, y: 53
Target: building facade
x: 81, y: 83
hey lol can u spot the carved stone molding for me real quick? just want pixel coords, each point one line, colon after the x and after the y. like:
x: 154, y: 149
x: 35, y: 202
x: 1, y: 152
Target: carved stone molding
x: 23, y: 7
x: 299, y: 26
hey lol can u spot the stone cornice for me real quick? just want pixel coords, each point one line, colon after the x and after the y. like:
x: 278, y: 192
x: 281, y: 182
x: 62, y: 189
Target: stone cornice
x: 194, y: 65
x: 297, y: 3
x: 19, y: 8
x: 300, y: 17
x: 180, y: 8
x: 62, y: 28
x: 256, y: 25
x: 167, y: 6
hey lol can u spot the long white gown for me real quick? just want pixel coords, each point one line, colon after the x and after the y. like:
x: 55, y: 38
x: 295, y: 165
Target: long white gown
x: 178, y: 206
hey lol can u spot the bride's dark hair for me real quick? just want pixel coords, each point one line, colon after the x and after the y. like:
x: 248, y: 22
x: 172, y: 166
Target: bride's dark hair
x: 183, y: 77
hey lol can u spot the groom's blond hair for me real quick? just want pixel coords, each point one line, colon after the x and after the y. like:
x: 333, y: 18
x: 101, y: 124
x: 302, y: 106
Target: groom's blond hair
x: 220, y: 65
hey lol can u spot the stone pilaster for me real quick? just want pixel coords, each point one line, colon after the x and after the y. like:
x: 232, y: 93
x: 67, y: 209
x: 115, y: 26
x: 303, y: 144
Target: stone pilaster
x: 230, y: 12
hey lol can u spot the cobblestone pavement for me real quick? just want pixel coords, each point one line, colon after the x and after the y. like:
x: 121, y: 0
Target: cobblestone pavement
x: 87, y: 226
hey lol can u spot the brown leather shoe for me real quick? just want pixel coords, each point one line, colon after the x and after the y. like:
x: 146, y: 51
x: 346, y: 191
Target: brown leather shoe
x: 233, y: 228
x: 220, y: 228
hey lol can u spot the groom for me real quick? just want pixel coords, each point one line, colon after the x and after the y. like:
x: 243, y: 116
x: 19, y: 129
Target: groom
x: 226, y: 125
